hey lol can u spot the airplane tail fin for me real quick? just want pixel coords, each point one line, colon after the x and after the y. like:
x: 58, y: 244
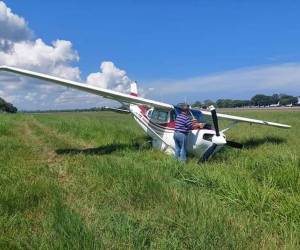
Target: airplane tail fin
x: 134, y: 92
x: 133, y: 89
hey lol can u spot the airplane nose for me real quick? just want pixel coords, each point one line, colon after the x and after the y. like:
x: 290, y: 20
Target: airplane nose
x: 218, y: 140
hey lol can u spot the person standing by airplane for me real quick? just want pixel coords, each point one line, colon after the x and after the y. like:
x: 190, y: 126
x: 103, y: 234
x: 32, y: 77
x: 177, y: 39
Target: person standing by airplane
x: 183, y: 125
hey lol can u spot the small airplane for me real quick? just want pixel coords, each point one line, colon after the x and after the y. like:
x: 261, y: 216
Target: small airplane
x: 157, y: 119
x: 275, y: 105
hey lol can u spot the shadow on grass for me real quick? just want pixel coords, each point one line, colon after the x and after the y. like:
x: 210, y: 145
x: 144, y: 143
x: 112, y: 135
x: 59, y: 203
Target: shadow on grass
x: 223, y: 154
x: 110, y: 148
x: 106, y: 149
x: 255, y: 142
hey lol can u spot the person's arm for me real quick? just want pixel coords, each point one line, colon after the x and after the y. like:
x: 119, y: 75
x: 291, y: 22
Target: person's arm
x: 197, y: 125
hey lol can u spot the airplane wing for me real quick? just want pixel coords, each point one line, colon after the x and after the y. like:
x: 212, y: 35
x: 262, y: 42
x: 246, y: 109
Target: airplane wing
x: 114, y: 95
x: 244, y: 119
x: 106, y: 93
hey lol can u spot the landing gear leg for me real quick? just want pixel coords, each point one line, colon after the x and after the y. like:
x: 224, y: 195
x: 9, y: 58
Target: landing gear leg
x: 146, y: 145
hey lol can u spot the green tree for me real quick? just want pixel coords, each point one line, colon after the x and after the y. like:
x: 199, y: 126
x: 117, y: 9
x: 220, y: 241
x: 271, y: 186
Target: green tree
x: 261, y: 100
x: 7, y: 107
x: 275, y: 98
x: 287, y: 99
x: 197, y: 104
x: 208, y: 102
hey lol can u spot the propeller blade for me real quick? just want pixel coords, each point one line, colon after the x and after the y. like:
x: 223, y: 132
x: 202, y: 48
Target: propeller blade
x: 234, y: 144
x: 215, y: 120
x: 208, y: 153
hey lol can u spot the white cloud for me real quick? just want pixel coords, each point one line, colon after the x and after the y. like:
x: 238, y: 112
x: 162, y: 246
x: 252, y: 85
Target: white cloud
x: 36, y: 55
x: 31, y: 96
x: 110, y: 77
x: 13, y: 27
x: 55, y: 59
x: 19, y: 50
x: 240, y: 83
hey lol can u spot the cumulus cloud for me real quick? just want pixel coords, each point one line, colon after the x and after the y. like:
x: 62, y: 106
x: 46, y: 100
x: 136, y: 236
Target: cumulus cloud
x: 110, y: 77
x: 36, y: 55
x: 54, y: 59
x: 17, y: 48
x: 13, y: 27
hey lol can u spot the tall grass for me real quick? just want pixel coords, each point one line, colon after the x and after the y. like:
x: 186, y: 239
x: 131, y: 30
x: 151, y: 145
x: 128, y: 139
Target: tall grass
x: 89, y: 181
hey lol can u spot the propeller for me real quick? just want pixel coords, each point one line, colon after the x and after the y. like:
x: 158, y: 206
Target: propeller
x: 215, y: 119
x: 217, y: 139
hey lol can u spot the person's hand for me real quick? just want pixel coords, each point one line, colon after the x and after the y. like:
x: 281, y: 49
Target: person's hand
x: 200, y: 125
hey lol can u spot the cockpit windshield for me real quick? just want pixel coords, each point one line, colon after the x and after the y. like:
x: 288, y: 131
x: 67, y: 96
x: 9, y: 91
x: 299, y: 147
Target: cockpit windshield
x: 193, y: 114
x: 196, y: 114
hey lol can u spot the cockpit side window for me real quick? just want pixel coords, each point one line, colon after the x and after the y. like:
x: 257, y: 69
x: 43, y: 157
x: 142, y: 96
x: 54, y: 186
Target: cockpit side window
x: 149, y: 113
x: 173, y: 115
x: 159, y: 116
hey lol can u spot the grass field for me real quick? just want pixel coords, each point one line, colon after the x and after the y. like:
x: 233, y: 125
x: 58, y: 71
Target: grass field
x: 87, y: 181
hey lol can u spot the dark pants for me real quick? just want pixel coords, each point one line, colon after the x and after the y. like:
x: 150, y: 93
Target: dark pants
x: 180, y: 145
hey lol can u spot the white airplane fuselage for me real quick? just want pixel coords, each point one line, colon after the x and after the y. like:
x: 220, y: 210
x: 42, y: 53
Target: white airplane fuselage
x: 198, y: 140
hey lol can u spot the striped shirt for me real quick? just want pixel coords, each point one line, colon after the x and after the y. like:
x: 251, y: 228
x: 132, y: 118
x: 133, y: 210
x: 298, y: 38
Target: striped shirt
x: 183, y: 123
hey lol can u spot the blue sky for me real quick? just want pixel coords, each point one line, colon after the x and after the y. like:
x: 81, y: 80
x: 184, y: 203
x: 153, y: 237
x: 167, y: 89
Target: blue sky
x: 172, y: 42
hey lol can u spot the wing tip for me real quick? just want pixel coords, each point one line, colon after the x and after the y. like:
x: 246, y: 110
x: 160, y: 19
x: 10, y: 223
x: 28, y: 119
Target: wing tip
x: 279, y: 125
x: 282, y: 126
x: 3, y: 67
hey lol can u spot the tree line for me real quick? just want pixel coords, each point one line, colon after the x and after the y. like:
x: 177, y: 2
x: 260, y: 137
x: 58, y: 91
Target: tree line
x: 7, y: 107
x: 257, y: 100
